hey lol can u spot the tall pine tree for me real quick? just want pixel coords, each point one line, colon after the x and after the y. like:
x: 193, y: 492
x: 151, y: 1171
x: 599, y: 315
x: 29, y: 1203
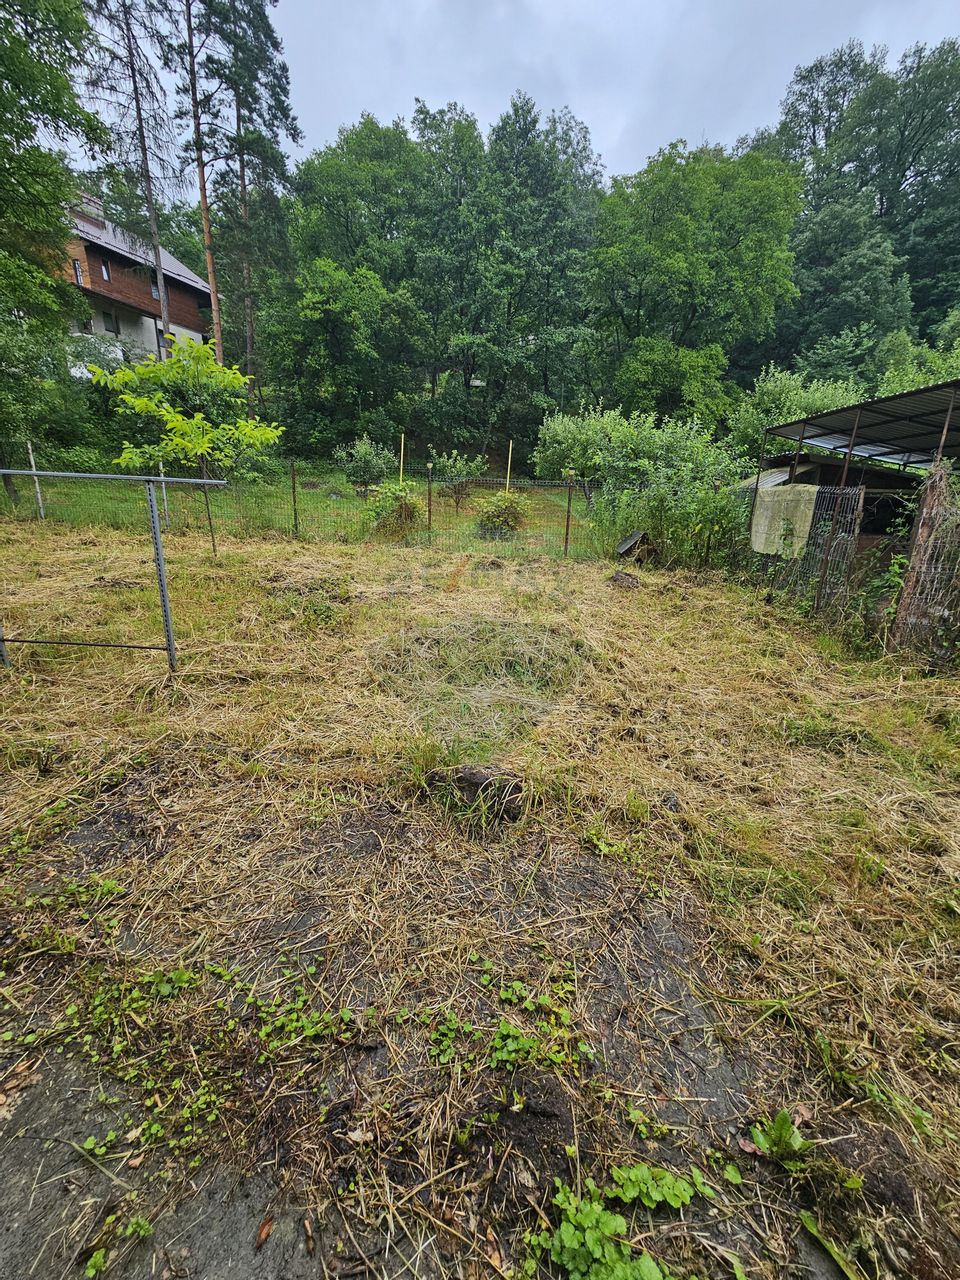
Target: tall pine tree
x: 126, y: 83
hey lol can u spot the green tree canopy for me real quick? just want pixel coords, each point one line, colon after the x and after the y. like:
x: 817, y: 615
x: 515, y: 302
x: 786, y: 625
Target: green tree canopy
x: 693, y: 250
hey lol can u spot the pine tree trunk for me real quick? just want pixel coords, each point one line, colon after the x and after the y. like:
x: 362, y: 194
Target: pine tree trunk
x: 248, y: 324
x: 147, y: 177
x: 202, y: 183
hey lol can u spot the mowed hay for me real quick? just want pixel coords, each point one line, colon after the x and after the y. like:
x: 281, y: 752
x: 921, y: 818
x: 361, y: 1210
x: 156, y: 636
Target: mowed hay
x: 233, y: 912
x: 489, y: 677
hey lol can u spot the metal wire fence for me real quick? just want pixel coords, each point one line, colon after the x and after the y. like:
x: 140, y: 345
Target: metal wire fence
x: 326, y: 508
x: 928, y: 612
x: 150, y: 485
x: 831, y: 569
x: 817, y: 567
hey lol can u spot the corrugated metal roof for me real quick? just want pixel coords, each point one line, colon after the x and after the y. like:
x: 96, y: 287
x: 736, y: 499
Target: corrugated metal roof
x: 904, y: 429
x: 107, y: 236
x: 772, y: 477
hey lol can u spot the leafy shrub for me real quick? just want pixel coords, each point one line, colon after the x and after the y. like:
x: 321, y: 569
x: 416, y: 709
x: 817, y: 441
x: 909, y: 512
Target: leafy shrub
x: 782, y: 396
x: 455, y: 471
x: 671, y: 480
x: 499, y: 515
x: 197, y: 407
x: 397, y: 510
x: 76, y: 457
x: 364, y: 462
x: 578, y: 442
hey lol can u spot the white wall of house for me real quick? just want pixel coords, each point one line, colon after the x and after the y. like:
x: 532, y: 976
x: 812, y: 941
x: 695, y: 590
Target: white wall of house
x: 138, y: 332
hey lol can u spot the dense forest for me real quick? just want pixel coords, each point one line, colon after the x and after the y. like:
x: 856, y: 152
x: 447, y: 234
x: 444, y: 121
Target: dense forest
x: 425, y: 276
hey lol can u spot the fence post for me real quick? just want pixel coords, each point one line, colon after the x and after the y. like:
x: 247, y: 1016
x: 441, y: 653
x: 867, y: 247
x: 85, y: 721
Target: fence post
x: 4, y: 659
x: 836, y: 506
x: 509, y: 461
x: 430, y: 503
x: 296, y: 510
x: 566, y: 532
x: 206, y: 503
x: 401, y: 457
x: 163, y: 496
x: 161, y: 575
x: 36, y: 483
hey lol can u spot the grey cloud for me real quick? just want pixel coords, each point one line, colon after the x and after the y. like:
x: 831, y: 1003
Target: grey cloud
x: 639, y: 74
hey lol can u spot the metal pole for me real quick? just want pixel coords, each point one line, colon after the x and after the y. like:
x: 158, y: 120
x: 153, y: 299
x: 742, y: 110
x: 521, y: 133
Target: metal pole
x: 430, y: 502
x: 109, y: 475
x: 756, y: 487
x: 4, y: 659
x: 401, y: 457
x: 296, y: 510
x: 206, y: 503
x: 163, y: 493
x: 946, y: 424
x: 852, y: 442
x: 161, y: 575
x: 509, y: 462
x: 828, y: 546
x: 796, y: 456
x: 566, y: 532
x: 36, y: 483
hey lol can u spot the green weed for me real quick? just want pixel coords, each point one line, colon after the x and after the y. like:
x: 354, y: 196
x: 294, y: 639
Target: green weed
x: 781, y: 1140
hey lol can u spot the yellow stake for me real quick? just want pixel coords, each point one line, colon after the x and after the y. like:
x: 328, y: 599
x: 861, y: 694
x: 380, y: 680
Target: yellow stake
x: 509, y: 460
x: 401, y: 457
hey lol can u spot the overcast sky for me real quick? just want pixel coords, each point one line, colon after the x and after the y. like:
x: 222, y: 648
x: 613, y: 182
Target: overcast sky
x: 639, y: 74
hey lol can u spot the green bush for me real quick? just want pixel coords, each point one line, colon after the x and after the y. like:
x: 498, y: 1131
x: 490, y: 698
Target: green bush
x: 187, y: 410
x: 76, y: 457
x: 397, y: 510
x: 364, y: 462
x: 455, y: 472
x: 500, y: 515
x: 674, y: 481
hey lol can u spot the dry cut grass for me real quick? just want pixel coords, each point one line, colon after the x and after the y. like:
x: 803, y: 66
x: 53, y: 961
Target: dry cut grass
x: 270, y: 920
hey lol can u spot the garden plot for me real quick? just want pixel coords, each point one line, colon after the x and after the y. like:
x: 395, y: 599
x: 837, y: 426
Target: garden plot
x: 289, y: 990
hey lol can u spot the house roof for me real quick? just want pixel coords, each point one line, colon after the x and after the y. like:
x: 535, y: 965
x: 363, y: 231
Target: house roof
x: 773, y: 477
x: 107, y: 236
x: 908, y: 429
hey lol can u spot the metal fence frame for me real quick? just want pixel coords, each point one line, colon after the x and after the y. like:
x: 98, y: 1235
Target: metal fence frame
x: 150, y: 483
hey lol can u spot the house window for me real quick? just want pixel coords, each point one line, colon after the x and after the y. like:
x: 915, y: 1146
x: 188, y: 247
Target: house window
x: 78, y: 272
x: 154, y: 286
x: 111, y: 322
x: 105, y: 268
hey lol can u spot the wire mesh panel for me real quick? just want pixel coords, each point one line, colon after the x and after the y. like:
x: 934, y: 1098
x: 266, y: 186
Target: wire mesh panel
x: 814, y: 566
x: 554, y: 519
x: 148, y: 485
x: 315, y: 506
x: 928, y: 616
